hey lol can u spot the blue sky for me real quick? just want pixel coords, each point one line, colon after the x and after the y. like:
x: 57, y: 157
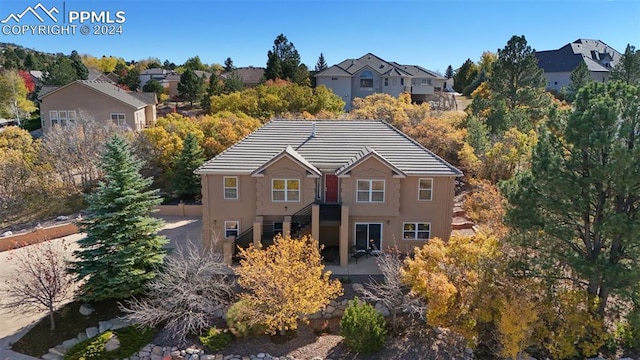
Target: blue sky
x: 433, y: 33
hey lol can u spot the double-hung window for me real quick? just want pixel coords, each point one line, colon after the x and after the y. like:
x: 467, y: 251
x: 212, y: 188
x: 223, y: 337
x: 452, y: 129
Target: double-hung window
x: 231, y: 187
x: 119, y: 119
x: 231, y: 228
x: 370, y: 191
x: 53, y: 118
x: 425, y: 189
x: 416, y: 231
x: 285, y: 190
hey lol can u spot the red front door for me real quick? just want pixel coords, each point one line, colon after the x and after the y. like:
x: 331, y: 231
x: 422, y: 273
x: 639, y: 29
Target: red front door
x: 330, y: 188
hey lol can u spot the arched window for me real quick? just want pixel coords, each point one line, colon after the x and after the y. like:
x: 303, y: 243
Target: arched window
x: 366, y: 79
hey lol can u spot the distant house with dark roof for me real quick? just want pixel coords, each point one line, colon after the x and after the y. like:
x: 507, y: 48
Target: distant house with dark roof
x: 356, y: 185
x: 599, y: 57
x: 97, y: 75
x: 370, y: 74
x: 98, y: 101
x: 251, y: 76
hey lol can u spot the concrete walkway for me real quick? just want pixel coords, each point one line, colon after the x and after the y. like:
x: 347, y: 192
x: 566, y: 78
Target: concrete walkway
x: 14, y: 324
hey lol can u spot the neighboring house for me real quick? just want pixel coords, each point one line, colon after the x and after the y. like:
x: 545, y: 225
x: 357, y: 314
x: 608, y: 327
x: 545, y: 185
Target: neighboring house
x: 370, y: 74
x: 251, y: 76
x: 168, y: 78
x: 599, y: 57
x: 346, y: 183
x: 97, y: 75
x: 98, y: 101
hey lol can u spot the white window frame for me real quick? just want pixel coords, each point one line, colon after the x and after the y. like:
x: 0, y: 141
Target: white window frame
x: 421, y: 189
x: 227, y: 229
x: 72, y: 117
x: 53, y: 115
x: 62, y: 117
x: 115, y: 117
x: 416, y: 230
x: 225, y: 187
x: 285, y: 190
x: 370, y: 191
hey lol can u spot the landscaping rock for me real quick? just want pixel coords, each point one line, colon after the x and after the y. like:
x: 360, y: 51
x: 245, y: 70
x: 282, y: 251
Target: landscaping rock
x: 6, y: 233
x: 62, y: 218
x: 58, y: 350
x: 382, y: 309
x: 50, y: 356
x: 82, y: 336
x: 91, y: 332
x: 157, y: 350
x: 119, y: 323
x: 156, y: 357
x: 104, y: 326
x: 86, y: 309
x: 112, y: 344
x: 357, y: 287
x: 69, y: 343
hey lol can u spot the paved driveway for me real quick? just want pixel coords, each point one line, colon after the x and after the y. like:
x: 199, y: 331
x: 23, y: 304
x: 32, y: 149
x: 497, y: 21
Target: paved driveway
x: 14, y: 324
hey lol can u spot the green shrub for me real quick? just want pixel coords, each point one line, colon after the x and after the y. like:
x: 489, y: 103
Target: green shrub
x: 363, y: 328
x: 216, y: 339
x: 240, y: 320
x: 131, y: 338
x: 89, y: 349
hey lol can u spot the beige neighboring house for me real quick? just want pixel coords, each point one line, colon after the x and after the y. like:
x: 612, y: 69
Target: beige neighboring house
x: 369, y: 74
x: 251, y: 76
x: 355, y: 185
x: 98, y: 101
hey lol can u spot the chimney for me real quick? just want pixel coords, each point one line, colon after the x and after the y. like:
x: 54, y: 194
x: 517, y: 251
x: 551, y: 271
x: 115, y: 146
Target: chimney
x: 313, y: 129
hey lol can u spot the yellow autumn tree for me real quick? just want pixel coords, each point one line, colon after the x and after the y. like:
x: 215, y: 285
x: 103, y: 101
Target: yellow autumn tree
x: 285, y: 282
x: 466, y: 287
x: 484, y: 205
x: 399, y: 112
x: 443, y: 135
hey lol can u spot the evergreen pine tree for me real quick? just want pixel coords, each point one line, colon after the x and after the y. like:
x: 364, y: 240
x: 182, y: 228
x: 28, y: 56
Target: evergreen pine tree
x: 122, y: 250
x: 449, y: 72
x: 228, y: 65
x: 186, y: 184
x: 321, y: 64
x: 580, y: 77
x: 191, y: 87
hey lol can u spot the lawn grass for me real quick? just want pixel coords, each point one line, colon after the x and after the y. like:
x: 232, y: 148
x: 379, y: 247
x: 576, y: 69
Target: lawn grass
x: 69, y: 323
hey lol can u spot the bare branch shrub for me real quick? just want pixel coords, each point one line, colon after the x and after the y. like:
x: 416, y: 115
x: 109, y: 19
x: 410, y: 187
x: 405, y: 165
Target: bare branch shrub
x: 40, y: 280
x: 193, y: 287
x: 72, y: 151
x: 393, y: 293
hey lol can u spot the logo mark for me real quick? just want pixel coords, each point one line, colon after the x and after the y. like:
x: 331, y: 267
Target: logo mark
x: 33, y: 11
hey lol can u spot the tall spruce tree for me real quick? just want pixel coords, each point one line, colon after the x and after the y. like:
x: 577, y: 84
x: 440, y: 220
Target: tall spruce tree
x: 283, y: 62
x: 228, y: 65
x: 186, y: 184
x: 191, y: 87
x: 321, y: 64
x: 122, y: 251
x: 448, y: 74
x: 628, y: 68
x: 579, y: 77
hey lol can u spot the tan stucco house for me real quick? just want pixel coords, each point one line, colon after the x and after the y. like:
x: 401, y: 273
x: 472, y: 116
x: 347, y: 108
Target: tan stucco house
x: 354, y: 185
x: 97, y: 101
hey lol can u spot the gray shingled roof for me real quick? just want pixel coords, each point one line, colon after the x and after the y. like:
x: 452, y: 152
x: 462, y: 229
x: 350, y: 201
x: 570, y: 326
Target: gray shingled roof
x: 567, y: 58
x: 106, y: 88
x: 336, y: 143
x: 349, y: 67
x: 250, y: 75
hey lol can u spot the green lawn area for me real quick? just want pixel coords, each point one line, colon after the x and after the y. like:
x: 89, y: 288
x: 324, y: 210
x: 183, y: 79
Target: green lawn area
x: 69, y: 323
